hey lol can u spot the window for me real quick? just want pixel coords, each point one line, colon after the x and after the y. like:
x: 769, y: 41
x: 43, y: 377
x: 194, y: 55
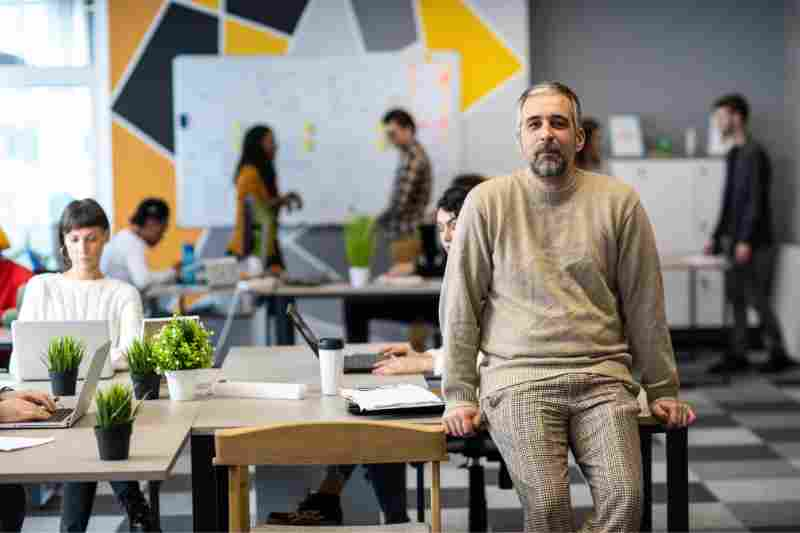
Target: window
x: 47, y: 144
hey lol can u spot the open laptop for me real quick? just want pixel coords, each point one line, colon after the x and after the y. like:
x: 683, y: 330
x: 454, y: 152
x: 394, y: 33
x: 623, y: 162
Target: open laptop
x: 362, y: 363
x: 31, y: 339
x: 67, y: 417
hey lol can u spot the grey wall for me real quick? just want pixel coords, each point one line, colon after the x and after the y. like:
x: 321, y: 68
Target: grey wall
x: 668, y: 61
x: 792, y: 105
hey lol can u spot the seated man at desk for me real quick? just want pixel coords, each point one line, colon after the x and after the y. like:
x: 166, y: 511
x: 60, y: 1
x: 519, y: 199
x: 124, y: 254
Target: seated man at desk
x: 124, y: 257
x: 19, y: 406
x: 401, y: 358
x: 12, y: 277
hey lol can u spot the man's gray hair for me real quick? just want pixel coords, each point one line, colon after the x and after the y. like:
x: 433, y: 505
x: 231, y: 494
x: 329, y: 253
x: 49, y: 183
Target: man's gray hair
x: 544, y: 88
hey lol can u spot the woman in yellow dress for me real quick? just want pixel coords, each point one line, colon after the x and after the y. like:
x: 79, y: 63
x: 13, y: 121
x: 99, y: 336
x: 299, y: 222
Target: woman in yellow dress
x: 257, y: 180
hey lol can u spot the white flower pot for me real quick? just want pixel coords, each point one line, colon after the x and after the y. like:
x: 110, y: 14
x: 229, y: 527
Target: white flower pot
x: 182, y: 384
x: 359, y: 276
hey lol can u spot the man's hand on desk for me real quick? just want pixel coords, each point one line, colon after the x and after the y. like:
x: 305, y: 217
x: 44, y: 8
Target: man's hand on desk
x: 744, y: 253
x: 673, y: 413
x: 462, y: 421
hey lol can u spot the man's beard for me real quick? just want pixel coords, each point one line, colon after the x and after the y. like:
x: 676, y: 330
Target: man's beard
x: 549, y: 167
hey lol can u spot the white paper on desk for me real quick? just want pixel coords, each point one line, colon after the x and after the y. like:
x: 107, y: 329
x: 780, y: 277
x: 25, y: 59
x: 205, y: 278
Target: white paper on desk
x: 389, y: 396
x: 10, y: 444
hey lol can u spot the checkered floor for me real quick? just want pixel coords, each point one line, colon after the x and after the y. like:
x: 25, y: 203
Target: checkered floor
x: 744, y: 460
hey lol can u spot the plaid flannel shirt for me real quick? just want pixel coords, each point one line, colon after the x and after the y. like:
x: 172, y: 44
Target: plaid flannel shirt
x: 410, y: 195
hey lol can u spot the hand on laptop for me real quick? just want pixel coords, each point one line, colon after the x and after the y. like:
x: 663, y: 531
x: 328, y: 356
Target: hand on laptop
x: 25, y: 406
x: 402, y: 359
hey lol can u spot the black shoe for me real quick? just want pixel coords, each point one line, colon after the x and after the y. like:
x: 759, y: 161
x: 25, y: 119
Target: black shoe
x: 140, y: 515
x: 730, y: 365
x: 316, y: 510
x: 778, y: 362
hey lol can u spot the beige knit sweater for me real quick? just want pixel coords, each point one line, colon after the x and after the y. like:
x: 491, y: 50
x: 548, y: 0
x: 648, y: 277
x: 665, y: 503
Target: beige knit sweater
x: 571, y: 282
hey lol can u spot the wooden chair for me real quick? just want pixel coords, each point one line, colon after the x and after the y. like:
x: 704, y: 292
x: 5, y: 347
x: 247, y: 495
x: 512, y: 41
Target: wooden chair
x: 326, y: 443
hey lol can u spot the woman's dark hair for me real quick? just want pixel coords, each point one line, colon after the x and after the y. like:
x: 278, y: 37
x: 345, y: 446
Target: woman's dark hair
x: 452, y: 199
x: 154, y: 208
x: 80, y: 214
x: 253, y: 154
x: 586, y: 159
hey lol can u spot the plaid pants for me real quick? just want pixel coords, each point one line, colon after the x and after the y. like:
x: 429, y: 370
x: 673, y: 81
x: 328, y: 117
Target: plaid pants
x: 534, y: 424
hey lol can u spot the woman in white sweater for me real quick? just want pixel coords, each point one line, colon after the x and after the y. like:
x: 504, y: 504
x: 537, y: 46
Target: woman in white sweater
x: 81, y: 293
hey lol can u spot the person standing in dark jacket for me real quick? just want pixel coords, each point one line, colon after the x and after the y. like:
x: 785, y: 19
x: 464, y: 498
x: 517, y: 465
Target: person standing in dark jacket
x: 744, y: 234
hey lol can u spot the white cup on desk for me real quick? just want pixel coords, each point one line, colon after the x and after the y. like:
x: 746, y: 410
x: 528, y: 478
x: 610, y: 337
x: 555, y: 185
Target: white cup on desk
x: 331, y: 365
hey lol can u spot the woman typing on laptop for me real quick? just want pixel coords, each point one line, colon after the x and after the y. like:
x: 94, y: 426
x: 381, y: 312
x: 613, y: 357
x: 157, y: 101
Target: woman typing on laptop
x: 82, y: 293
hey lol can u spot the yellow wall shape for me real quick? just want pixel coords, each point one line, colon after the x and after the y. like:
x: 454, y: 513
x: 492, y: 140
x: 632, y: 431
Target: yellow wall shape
x: 140, y: 172
x: 486, y: 63
x: 127, y: 24
x: 246, y: 40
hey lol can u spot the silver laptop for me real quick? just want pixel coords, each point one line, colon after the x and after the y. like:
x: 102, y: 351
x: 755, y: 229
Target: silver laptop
x: 67, y: 417
x: 31, y: 339
x: 151, y: 326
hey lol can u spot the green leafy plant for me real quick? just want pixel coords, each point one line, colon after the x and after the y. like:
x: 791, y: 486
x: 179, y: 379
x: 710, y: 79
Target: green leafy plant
x: 64, y: 354
x: 182, y: 344
x: 115, y: 406
x: 359, y: 240
x: 140, y: 358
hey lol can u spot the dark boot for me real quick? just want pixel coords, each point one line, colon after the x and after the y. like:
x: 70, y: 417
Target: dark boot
x: 140, y: 515
x: 316, y: 510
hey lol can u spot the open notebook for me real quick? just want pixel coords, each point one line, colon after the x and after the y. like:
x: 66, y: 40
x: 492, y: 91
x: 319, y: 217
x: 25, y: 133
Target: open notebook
x: 393, y: 399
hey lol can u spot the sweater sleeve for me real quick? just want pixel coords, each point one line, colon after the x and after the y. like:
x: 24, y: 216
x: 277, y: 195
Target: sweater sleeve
x: 465, y: 287
x: 129, y: 328
x: 438, y: 360
x: 642, y: 307
x: 33, y: 301
x: 141, y: 275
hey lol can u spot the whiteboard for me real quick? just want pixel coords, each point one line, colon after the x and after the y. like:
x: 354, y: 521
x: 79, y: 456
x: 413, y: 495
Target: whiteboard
x: 326, y: 114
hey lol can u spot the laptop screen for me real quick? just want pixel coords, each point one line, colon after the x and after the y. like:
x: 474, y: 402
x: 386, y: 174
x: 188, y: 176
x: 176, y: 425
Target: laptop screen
x: 301, y: 326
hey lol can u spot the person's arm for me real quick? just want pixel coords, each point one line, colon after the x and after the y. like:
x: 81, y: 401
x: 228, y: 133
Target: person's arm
x: 130, y: 325
x: 34, y: 301
x: 141, y: 275
x: 757, y: 174
x: 465, y: 287
x: 642, y: 306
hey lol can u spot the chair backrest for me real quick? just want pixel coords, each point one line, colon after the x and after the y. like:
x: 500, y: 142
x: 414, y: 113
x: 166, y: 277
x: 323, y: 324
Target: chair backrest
x: 324, y: 443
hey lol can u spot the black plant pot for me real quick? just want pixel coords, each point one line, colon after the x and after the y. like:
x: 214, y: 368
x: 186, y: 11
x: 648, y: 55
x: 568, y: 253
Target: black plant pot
x: 146, y: 386
x: 114, y: 443
x: 63, y: 383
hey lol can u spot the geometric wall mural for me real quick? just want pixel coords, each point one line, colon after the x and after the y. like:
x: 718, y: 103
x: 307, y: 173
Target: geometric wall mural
x: 146, y: 35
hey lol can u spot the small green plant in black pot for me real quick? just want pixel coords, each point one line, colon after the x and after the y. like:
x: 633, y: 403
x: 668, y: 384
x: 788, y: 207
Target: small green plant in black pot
x: 63, y: 358
x: 146, y: 381
x: 116, y: 411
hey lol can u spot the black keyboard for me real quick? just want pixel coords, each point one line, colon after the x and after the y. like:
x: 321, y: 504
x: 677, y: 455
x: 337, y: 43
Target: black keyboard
x: 360, y: 362
x: 60, y: 415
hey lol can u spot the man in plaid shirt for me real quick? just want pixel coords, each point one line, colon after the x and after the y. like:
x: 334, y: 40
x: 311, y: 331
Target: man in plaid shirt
x: 412, y: 188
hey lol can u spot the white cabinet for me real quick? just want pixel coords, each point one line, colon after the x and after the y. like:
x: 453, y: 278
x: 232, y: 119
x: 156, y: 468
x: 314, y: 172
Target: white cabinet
x: 682, y: 198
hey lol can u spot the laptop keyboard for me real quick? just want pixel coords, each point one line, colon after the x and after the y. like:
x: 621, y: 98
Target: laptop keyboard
x: 60, y: 415
x: 360, y: 361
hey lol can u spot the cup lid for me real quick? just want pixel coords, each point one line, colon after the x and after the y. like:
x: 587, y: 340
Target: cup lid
x: 331, y: 343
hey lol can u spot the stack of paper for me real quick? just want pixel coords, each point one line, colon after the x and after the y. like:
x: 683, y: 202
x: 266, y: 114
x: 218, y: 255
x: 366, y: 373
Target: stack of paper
x: 391, y: 396
x: 9, y: 444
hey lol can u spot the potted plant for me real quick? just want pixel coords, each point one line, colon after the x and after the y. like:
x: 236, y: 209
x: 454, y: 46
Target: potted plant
x: 116, y: 412
x: 181, y: 350
x: 359, y: 242
x: 146, y: 381
x: 63, y: 358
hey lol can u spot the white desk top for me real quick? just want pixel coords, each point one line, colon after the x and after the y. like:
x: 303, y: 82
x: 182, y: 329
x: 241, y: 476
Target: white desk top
x: 287, y: 364
x: 694, y: 262
x: 159, y: 433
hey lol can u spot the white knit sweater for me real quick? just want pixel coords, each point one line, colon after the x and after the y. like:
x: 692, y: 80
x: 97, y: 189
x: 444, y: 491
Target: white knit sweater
x: 54, y: 297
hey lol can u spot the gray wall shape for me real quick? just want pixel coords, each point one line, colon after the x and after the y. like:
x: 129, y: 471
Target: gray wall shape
x: 667, y: 62
x: 379, y: 36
